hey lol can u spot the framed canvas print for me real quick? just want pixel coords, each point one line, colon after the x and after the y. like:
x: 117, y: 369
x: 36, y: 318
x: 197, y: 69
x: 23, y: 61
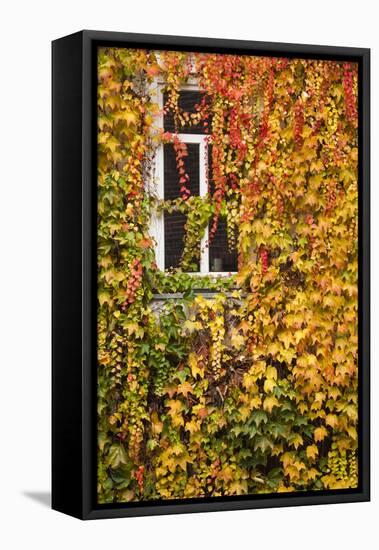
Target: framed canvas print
x: 210, y: 274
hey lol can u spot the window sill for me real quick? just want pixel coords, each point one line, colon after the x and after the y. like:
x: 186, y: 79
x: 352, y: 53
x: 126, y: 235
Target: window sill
x: 198, y: 291
x: 215, y: 274
x: 220, y: 274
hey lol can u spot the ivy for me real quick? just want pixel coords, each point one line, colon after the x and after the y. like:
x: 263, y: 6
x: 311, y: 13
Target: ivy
x: 248, y: 384
x: 198, y: 211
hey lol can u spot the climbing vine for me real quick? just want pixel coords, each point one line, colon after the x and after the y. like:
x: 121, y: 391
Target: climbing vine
x: 243, y: 385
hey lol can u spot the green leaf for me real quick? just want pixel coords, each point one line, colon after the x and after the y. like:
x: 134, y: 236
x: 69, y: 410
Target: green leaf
x: 258, y: 417
x: 117, y: 456
x: 263, y: 443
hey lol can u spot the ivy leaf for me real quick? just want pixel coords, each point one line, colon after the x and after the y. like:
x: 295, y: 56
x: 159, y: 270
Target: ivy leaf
x: 271, y: 373
x: 191, y: 326
x: 286, y: 338
x: 175, y: 406
x: 312, y: 451
x: 185, y: 388
x: 258, y: 417
x: 104, y: 298
x: 331, y: 420
x: 270, y: 402
x: 269, y: 385
x: 320, y: 433
x: 226, y: 474
x: 128, y: 116
x: 197, y: 369
x: 295, y: 440
x: 117, y: 456
x: 263, y: 443
x: 237, y: 340
x: 156, y: 424
x: 134, y: 329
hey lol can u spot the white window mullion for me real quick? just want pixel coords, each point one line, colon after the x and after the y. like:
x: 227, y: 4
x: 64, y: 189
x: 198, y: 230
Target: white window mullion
x: 157, y: 218
x: 160, y: 250
x: 160, y: 188
x: 204, y: 249
x: 203, y: 190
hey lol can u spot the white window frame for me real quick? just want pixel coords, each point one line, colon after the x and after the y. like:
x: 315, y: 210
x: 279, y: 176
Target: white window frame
x: 157, y: 218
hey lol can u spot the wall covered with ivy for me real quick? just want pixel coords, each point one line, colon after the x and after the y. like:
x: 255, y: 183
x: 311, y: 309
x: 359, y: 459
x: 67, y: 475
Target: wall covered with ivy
x: 252, y: 389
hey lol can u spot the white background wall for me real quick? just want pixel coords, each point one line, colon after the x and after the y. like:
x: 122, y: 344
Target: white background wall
x: 26, y: 31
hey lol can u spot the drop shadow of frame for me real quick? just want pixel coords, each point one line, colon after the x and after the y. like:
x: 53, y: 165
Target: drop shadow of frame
x: 41, y: 497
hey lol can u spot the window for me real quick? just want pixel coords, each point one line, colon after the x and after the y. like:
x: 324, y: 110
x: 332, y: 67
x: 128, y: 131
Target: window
x: 168, y: 229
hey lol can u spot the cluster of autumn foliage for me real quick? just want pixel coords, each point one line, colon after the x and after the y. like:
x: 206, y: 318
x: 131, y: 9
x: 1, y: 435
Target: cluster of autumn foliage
x: 252, y: 389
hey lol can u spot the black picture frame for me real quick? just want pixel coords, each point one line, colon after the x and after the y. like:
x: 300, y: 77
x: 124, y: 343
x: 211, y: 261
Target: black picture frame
x: 74, y: 274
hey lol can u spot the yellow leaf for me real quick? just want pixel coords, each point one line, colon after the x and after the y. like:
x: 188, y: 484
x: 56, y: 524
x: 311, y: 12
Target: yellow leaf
x: 238, y: 487
x: 287, y: 458
x: 128, y: 116
x: 160, y: 346
x: 331, y: 420
x: 296, y: 440
x: 192, y: 426
x: 104, y: 298
x: 271, y: 373
x: 287, y: 354
x: 226, y: 474
x: 320, y: 433
x: 157, y: 425
x: 255, y: 402
x: 182, y: 461
x: 249, y: 382
x: 175, y: 405
x: 170, y: 389
x: 300, y: 335
x: 177, y: 449
x: 134, y: 328
x: 191, y: 326
x: 270, y: 402
x: 352, y: 432
x: 308, y: 360
x: 177, y: 420
x: 236, y: 339
x: 312, y: 451
x: 269, y: 385
x: 185, y: 388
x: 286, y: 338
x: 292, y: 472
x: 245, y: 412
x: 196, y: 368
x: 311, y: 473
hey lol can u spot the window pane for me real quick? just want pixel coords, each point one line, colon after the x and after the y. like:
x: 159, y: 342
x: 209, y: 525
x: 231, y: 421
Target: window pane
x: 171, y: 176
x: 174, y: 222
x: 187, y: 102
x: 174, y: 238
x: 220, y: 258
x: 211, y: 187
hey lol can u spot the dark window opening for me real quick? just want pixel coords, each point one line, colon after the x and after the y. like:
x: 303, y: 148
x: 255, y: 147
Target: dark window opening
x: 220, y: 257
x: 174, y: 222
x: 187, y: 102
x: 171, y: 176
x: 174, y: 232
